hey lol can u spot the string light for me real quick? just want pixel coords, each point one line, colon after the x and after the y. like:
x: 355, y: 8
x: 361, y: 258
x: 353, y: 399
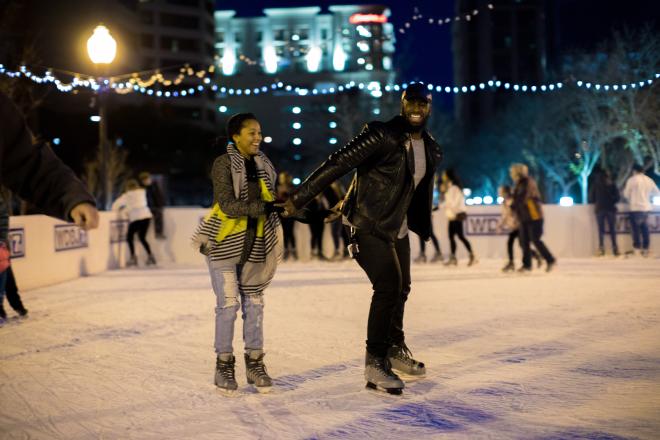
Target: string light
x: 374, y: 88
x: 441, y: 21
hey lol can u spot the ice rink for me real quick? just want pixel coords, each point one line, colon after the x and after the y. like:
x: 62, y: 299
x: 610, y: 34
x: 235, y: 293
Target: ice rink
x: 127, y: 354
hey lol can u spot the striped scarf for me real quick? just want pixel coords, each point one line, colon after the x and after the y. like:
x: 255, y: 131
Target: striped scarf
x: 227, y: 234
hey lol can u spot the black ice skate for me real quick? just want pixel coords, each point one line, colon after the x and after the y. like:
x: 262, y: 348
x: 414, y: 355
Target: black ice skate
x: 510, y: 267
x: 473, y: 260
x: 403, y: 364
x: 255, y: 371
x: 151, y: 261
x: 131, y: 262
x: 379, y: 375
x: 451, y: 261
x: 225, y: 379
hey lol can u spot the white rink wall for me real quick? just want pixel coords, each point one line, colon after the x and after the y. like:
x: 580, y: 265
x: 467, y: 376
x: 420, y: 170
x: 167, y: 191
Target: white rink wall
x: 47, y: 251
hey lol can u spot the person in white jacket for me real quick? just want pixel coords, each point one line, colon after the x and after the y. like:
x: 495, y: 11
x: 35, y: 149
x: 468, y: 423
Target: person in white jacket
x: 454, y: 207
x: 638, y: 191
x: 134, y: 202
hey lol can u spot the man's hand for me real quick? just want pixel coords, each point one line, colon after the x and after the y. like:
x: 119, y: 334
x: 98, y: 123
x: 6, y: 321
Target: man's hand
x: 85, y: 215
x: 288, y: 206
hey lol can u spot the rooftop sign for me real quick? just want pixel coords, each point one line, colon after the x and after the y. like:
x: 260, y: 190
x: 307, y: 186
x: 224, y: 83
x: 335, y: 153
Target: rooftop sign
x: 367, y: 18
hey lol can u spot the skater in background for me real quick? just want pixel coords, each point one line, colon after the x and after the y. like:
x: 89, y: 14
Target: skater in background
x: 456, y: 212
x: 334, y: 194
x: 421, y: 258
x: 284, y: 189
x: 317, y: 210
x: 638, y: 191
x: 529, y: 212
x: 155, y: 201
x: 604, y: 194
x: 242, y: 240
x: 391, y: 193
x: 134, y: 202
x: 509, y: 222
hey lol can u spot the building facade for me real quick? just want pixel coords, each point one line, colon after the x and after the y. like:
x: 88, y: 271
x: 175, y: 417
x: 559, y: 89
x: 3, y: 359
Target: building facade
x: 315, y: 53
x: 174, y: 34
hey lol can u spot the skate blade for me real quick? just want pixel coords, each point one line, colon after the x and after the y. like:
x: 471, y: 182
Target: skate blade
x: 263, y: 390
x: 226, y: 392
x: 392, y: 391
x: 408, y: 377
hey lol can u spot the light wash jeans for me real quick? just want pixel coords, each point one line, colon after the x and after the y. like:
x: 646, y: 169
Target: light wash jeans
x: 224, y: 279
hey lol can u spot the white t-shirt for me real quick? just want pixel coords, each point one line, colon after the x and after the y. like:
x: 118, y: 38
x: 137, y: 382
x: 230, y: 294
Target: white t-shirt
x: 454, y: 202
x: 638, y: 190
x: 135, y: 203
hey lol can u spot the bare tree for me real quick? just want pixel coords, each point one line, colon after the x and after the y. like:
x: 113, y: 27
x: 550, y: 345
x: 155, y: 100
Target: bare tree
x: 118, y: 171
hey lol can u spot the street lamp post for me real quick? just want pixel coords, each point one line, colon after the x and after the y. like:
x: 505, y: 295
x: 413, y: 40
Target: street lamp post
x: 102, y: 48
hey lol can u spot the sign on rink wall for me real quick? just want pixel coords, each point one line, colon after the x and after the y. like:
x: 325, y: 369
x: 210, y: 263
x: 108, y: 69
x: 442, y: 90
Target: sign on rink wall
x: 48, y: 251
x: 16, y: 238
x: 68, y: 237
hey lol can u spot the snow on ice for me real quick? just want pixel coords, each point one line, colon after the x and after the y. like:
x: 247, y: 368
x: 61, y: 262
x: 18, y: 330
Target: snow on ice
x: 574, y: 354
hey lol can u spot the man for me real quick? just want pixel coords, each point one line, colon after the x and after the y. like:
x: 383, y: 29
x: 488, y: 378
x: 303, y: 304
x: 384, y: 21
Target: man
x: 33, y: 171
x: 526, y: 205
x: 391, y: 193
x: 638, y: 191
x: 155, y: 200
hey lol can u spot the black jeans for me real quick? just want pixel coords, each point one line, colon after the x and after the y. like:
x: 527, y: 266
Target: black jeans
x: 509, y: 245
x: 388, y: 267
x: 287, y: 228
x: 157, y: 214
x: 11, y: 291
x: 436, y: 244
x: 531, y: 232
x: 456, y: 229
x: 140, y: 227
x: 610, y: 218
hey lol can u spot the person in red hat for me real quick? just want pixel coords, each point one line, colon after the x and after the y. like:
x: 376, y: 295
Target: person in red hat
x: 391, y: 193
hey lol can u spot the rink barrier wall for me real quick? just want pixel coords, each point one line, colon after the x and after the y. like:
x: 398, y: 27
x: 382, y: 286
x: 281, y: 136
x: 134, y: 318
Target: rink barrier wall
x: 47, y: 251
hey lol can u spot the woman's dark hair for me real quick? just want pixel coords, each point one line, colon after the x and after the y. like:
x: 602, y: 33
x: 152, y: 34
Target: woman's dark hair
x: 235, y: 124
x: 453, y: 177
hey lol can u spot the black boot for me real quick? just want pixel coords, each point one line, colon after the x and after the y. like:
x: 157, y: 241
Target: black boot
x: 225, y: 379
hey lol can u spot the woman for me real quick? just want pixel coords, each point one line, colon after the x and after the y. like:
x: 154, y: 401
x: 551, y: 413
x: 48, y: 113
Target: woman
x: 529, y: 212
x: 456, y: 214
x: 508, y: 221
x: 242, y: 239
x: 134, y: 200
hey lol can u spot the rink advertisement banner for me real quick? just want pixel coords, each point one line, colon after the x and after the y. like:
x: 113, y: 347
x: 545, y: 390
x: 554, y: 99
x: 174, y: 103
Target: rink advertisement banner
x: 68, y: 237
x: 623, y: 223
x: 118, y: 230
x: 483, y: 224
x: 17, y: 242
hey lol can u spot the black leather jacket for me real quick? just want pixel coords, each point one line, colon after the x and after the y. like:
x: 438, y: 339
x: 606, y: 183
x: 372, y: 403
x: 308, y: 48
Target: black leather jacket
x: 382, y: 191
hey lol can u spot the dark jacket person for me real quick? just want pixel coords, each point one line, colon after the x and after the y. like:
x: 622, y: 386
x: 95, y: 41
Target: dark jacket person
x: 33, y: 171
x: 391, y: 193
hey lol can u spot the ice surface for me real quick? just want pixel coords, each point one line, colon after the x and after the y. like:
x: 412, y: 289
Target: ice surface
x: 574, y: 354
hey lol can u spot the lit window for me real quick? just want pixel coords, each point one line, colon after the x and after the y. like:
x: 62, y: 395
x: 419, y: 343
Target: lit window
x: 332, y: 109
x: 268, y: 139
x: 297, y: 141
x: 296, y: 110
x: 332, y: 124
x: 222, y: 109
x: 296, y: 125
x: 332, y: 140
